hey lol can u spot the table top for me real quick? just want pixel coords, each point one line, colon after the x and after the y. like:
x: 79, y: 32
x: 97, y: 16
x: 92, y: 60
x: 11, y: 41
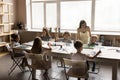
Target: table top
x: 107, y: 52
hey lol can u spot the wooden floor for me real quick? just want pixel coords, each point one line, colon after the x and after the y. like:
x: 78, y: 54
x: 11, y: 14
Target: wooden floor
x: 55, y: 73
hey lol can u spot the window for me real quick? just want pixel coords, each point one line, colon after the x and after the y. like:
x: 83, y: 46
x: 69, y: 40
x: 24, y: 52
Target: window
x: 107, y: 15
x: 28, y: 15
x: 51, y: 15
x: 45, y: 14
x: 74, y: 11
x: 100, y: 15
x: 37, y: 15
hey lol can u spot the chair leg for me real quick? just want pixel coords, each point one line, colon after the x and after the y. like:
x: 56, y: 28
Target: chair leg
x: 15, y: 64
x: 93, y: 68
x: 12, y: 68
x: 67, y: 77
x: 78, y: 78
x: 33, y: 74
x: 86, y: 79
x: 18, y: 64
x: 30, y: 72
x: 46, y: 75
x: 12, y: 65
x: 30, y: 76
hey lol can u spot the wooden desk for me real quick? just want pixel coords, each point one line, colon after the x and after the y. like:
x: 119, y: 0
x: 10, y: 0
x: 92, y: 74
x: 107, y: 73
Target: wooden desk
x: 109, y: 54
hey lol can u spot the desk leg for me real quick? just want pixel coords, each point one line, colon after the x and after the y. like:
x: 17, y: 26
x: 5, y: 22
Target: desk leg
x: 114, y: 70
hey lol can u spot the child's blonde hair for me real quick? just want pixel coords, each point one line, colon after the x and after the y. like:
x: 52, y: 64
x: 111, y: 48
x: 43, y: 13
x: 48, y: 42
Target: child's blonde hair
x: 95, y: 36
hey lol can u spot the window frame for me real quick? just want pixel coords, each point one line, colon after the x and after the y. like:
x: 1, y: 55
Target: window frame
x: 58, y: 12
x: 58, y: 15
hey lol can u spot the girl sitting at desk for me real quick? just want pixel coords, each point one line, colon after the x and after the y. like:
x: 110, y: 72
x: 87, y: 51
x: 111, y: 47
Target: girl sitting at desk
x: 37, y: 49
x: 45, y: 36
x: 79, y: 56
x: 15, y: 42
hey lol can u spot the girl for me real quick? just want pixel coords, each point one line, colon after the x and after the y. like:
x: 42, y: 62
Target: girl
x: 37, y: 49
x: 83, y: 32
x: 45, y: 35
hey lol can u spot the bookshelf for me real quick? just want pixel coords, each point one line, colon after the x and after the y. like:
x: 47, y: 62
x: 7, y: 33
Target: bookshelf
x: 5, y: 23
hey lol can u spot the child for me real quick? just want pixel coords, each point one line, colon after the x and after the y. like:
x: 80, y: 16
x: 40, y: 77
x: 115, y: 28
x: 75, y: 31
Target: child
x: 18, y: 53
x: 66, y: 38
x: 45, y: 35
x: 37, y: 46
x: 79, y: 56
x: 93, y: 43
x: 37, y: 49
x: 15, y: 39
x: 93, y: 40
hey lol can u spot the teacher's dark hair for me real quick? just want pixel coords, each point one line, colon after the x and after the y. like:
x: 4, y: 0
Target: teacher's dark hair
x: 82, y: 22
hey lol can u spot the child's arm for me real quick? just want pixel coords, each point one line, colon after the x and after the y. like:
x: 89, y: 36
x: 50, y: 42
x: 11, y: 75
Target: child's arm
x: 94, y: 55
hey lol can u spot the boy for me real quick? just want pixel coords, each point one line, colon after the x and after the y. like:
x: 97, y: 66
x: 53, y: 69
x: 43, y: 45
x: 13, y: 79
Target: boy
x: 66, y: 38
x: 18, y: 53
x: 79, y: 56
x: 93, y: 40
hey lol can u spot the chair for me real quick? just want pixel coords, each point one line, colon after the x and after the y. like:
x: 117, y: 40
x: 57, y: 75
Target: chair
x: 76, y: 68
x: 16, y: 60
x: 94, y: 66
x: 38, y: 62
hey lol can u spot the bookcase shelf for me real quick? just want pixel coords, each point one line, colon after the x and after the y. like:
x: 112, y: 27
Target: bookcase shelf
x: 5, y: 23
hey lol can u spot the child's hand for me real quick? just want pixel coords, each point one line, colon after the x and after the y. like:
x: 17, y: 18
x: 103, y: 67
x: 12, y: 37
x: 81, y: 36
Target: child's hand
x: 49, y: 44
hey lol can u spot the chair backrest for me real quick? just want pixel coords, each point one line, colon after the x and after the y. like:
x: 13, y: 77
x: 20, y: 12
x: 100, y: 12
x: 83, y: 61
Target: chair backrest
x: 36, y: 57
x: 38, y: 61
x: 67, y: 62
x: 75, y: 64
